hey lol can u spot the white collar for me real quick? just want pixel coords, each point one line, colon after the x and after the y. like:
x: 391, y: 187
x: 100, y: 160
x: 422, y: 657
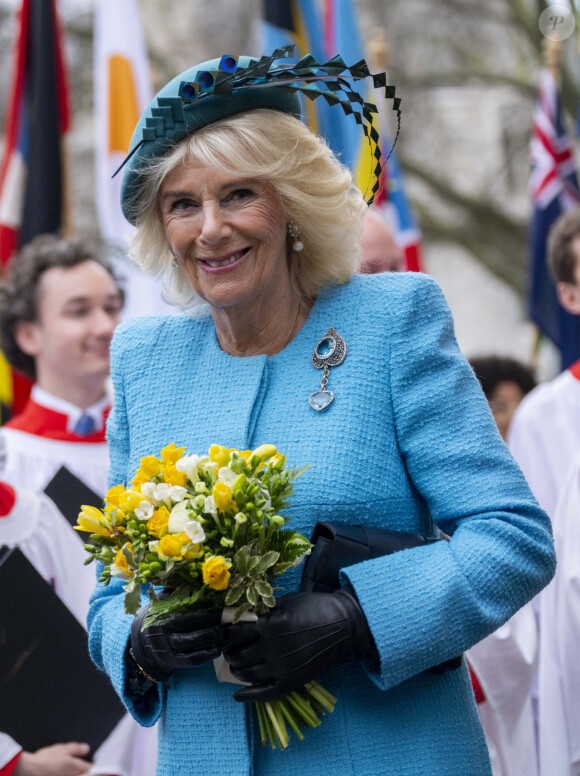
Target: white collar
x: 73, y: 413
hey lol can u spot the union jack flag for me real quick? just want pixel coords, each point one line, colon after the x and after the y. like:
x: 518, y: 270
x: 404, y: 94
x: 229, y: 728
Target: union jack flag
x: 554, y: 188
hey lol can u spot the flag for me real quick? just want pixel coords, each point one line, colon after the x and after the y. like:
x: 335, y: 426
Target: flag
x: 554, y: 189
x: 324, y: 36
x: 122, y: 92
x: 32, y: 180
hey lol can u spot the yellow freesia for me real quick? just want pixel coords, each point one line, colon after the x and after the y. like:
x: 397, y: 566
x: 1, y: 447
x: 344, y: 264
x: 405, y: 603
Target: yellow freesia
x: 194, y: 552
x: 172, y: 477
x: 222, y: 495
x: 130, y: 500
x: 171, y: 454
x: 113, y: 494
x: 170, y: 546
x: 157, y: 525
x: 216, y: 572
x: 121, y: 561
x: 92, y: 520
x: 220, y: 455
x: 265, y: 452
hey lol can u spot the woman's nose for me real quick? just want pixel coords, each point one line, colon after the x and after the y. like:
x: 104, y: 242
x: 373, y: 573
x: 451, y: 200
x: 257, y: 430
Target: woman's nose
x: 214, y: 226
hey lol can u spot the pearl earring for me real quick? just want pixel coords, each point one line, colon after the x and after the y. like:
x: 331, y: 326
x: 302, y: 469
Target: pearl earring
x: 294, y: 232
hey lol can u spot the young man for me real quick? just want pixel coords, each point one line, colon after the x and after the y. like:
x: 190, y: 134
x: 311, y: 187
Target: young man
x: 59, y: 306
x: 545, y: 430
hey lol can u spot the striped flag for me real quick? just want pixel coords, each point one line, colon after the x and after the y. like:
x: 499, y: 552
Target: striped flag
x: 122, y: 92
x: 32, y: 180
x: 554, y: 189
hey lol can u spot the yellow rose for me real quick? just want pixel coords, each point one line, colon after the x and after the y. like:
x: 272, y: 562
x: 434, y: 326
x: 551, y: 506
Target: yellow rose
x: 222, y: 495
x: 215, y: 572
x: 157, y: 525
x: 92, y: 520
x: 220, y: 455
x: 171, y: 454
x: 150, y: 466
x: 172, y: 477
x: 170, y: 545
x: 130, y: 500
x: 113, y: 494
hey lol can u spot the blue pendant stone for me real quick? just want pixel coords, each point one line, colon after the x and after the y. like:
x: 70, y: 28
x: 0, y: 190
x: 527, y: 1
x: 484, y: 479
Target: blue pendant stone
x: 319, y: 400
x: 326, y: 347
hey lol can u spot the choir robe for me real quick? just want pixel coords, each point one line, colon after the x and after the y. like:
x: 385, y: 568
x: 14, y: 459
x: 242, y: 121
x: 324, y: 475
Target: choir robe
x: 33, y: 447
x: 559, y: 673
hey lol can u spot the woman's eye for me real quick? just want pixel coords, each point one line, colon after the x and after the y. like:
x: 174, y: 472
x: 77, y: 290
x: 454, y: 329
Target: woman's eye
x: 182, y: 204
x: 240, y: 194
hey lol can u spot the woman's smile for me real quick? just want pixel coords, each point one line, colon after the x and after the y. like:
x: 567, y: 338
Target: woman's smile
x: 228, y: 262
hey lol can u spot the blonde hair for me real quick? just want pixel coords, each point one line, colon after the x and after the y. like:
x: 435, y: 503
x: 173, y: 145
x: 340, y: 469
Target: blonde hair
x: 315, y: 191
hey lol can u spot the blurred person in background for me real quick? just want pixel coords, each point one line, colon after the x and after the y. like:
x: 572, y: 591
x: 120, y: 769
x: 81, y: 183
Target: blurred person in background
x: 505, y: 382
x: 59, y: 306
x: 379, y: 249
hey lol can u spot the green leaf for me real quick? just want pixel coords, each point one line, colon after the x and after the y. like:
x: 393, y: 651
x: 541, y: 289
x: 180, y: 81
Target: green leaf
x: 263, y: 588
x: 251, y: 595
x: 270, y: 601
x: 133, y: 600
x: 241, y: 559
x: 239, y: 611
x: 253, y: 563
x: 281, y: 568
x: 267, y: 560
x: 234, y: 595
x: 236, y: 580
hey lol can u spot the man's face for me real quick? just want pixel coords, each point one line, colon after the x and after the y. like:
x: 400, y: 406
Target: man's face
x: 78, y: 310
x: 569, y: 293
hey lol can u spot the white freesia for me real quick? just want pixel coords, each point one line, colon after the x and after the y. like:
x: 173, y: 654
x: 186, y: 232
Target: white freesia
x: 179, y: 517
x: 226, y: 475
x: 188, y: 464
x: 162, y: 492
x: 148, y: 489
x: 144, y: 511
x: 210, y: 506
x: 195, y: 532
x: 212, y: 468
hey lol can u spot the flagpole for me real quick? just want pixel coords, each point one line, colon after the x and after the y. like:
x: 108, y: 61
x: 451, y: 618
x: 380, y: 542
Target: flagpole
x: 552, y: 55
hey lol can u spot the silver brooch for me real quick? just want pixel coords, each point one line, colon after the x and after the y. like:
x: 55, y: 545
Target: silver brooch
x: 329, y: 351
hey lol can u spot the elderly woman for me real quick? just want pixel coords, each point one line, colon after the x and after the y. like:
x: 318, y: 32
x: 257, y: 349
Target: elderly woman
x: 240, y: 207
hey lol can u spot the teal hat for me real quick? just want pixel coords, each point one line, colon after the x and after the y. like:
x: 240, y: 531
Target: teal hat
x: 223, y: 87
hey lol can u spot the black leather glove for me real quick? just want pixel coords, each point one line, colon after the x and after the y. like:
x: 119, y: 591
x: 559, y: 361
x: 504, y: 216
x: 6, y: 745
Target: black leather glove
x: 305, y: 635
x: 181, y: 641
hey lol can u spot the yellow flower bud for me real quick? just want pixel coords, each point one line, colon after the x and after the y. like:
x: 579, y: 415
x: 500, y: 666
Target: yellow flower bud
x: 215, y: 572
x: 222, y: 495
x: 112, y: 497
x: 92, y: 520
x: 265, y: 451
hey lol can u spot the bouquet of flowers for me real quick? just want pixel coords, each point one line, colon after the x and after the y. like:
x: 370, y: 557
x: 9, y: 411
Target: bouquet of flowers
x: 207, y: 530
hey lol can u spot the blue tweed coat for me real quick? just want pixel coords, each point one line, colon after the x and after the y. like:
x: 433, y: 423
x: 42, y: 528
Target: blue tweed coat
x: 409, y: 443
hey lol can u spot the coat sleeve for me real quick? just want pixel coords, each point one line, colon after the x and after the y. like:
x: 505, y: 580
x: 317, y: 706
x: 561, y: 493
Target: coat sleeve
x: 429, y: 604
x: 108, y: 626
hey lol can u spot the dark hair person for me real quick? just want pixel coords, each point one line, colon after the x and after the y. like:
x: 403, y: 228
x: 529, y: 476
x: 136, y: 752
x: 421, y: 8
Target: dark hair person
x: 254, y: 225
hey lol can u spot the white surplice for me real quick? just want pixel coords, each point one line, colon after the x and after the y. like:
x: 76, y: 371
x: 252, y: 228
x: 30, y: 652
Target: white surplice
x: 559, y: 673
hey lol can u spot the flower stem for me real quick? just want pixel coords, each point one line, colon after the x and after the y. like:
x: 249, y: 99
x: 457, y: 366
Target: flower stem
x: 322, y: 696
x: 282, y: 734
x: 303, y: 708
x: 262, y: 724
x: 287, y: 712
